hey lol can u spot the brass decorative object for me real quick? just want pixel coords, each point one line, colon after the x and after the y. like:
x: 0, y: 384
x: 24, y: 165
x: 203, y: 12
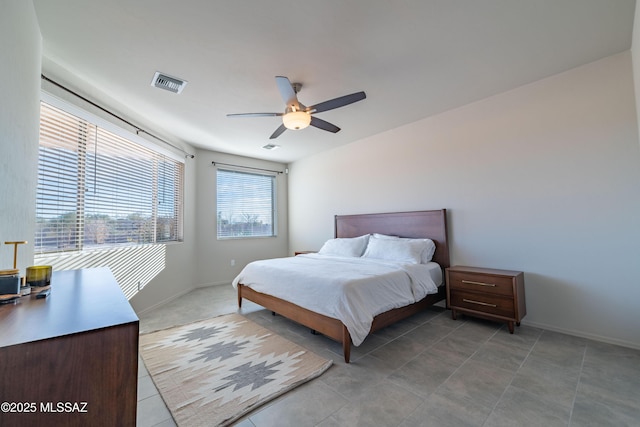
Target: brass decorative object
x: 15, y: 250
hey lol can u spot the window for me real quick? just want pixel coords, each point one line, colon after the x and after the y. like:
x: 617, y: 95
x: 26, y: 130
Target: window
x: 245, y: 204
x: 99, y: 188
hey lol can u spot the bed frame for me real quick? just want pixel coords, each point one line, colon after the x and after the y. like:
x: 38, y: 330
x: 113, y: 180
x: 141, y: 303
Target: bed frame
x: 419, y: 224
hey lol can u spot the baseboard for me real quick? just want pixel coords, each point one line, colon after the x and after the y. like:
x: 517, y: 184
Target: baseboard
x: 208, y: 285
x: 581, y: 334
x: 180, y: 294
x: 164, y: 301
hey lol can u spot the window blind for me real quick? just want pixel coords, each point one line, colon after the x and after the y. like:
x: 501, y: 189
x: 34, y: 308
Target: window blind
x: 245, y: 204
x: 98, y: 189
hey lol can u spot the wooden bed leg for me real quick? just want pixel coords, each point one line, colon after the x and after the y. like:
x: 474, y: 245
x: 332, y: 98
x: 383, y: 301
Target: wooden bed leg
x: 239, y: 297
x: 346, y: 344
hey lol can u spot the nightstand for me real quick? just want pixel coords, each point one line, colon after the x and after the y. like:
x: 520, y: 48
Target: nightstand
x: 488, y: 293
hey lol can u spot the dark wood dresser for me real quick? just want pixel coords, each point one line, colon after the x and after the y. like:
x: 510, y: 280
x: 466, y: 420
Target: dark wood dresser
x: 486, y: 292
x: 70, y: 359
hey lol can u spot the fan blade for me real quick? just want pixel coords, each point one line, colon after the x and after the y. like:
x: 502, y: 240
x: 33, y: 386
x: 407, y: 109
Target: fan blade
x: 278, y: 132
x: 324, y: 125
x: 255, y: 115
x: 287, y: 92
x: 337, y: 102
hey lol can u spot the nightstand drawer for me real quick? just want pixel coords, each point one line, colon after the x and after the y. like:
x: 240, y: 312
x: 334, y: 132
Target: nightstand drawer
x: 491, y: 304
x: 481, y: 283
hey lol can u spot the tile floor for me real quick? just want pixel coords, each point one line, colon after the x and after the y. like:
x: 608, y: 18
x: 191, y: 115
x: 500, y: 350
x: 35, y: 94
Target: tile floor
x: 429, y: 370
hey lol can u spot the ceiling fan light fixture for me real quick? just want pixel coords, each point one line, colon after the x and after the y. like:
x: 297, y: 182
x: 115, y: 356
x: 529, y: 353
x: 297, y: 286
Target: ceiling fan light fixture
x: 295, y: 120
x: 296, y: 115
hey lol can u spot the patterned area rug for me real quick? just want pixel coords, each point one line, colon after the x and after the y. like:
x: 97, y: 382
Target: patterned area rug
x: 214, y: 371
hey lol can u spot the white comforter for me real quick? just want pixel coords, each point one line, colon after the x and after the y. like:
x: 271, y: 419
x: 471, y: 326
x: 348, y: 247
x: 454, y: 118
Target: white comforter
x: 353, y: 290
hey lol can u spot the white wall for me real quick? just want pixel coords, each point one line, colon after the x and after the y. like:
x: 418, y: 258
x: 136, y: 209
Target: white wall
x: 199, y: 260
x: 635, y: 53
x: 20, y: 51
x: 542, y: 179
x: 214, y: 256
x: 177, y: 276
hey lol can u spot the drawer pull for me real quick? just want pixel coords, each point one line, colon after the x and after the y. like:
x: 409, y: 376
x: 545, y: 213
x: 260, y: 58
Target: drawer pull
x: 479, y: 302
x: 470, y: 282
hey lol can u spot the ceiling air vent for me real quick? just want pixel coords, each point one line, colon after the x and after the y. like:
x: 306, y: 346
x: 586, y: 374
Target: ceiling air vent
x: 169, y: 83
x: 271, y: 147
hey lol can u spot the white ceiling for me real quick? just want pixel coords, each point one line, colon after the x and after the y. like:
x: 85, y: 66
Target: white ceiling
x: 413, y: 58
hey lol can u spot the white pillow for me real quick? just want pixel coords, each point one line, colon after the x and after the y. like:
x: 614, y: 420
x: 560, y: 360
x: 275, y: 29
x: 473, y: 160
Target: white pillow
x: 428, y: 250
x: 383, y: 236
x: 345, y: 246
x: 395, y: 250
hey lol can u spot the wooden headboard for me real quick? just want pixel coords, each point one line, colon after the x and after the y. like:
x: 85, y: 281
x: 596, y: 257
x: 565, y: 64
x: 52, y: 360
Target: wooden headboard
x: 418, y: 224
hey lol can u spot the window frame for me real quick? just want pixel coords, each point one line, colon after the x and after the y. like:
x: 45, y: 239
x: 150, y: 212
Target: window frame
x: 274, y: 203
x: 158, y: 158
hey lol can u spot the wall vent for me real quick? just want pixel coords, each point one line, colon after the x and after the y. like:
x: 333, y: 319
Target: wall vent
x: 172, y: 84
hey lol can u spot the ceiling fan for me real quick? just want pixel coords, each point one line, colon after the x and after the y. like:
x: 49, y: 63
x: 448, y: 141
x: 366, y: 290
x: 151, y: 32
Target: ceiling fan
x: 298, y: 116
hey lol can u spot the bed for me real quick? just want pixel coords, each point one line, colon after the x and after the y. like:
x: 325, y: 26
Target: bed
x: 430, y: 224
